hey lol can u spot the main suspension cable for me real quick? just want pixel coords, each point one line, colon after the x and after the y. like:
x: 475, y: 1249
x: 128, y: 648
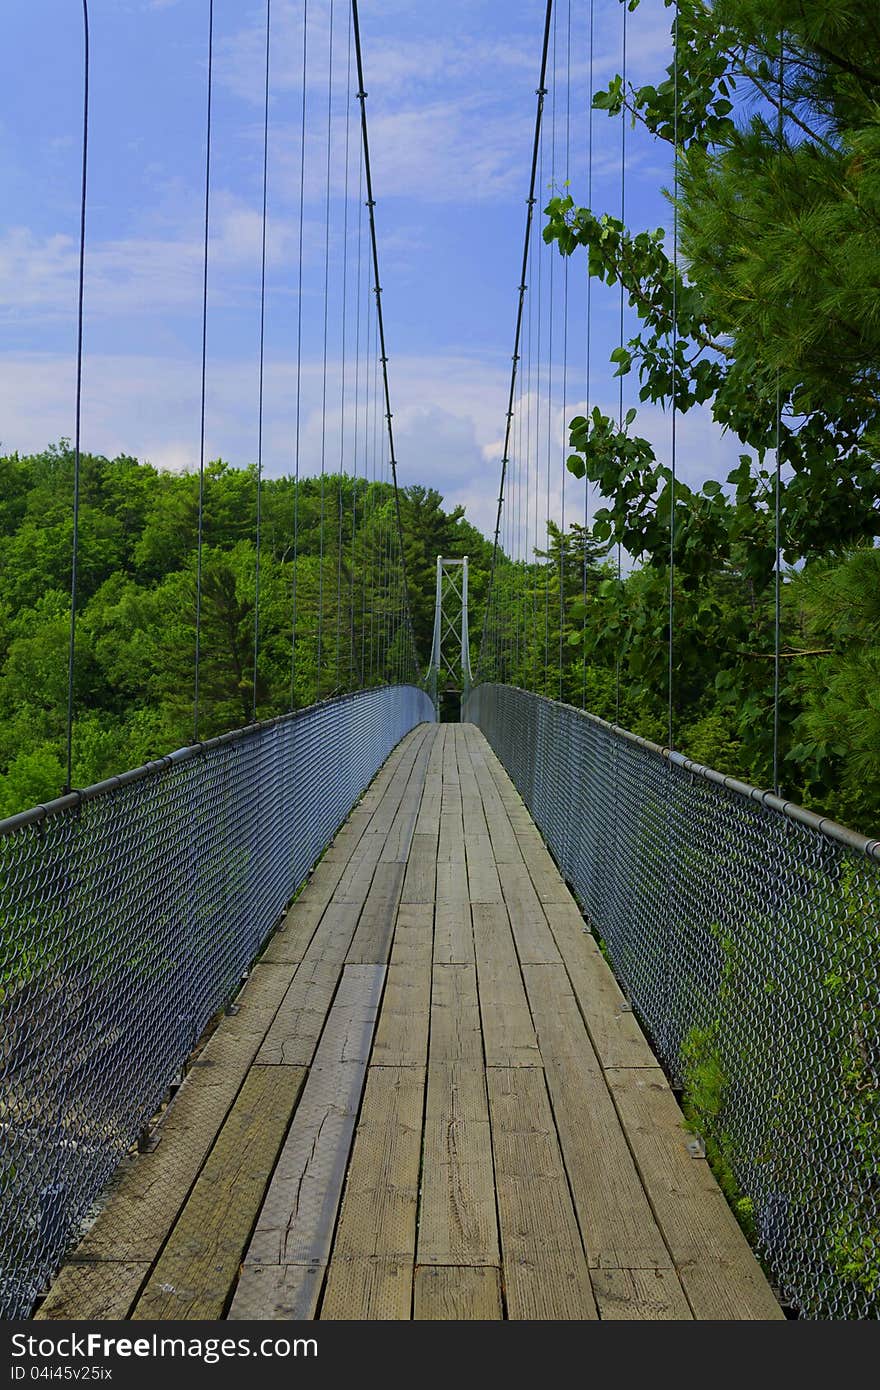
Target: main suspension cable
x: 371, y: 205
x: 340, y: 493
x: 541, y: 92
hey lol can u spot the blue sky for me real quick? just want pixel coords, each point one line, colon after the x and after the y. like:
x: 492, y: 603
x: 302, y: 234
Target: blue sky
x: 451, y: 109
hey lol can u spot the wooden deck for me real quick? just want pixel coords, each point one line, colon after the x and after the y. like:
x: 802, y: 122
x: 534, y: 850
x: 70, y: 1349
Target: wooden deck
x: 433, y: 1103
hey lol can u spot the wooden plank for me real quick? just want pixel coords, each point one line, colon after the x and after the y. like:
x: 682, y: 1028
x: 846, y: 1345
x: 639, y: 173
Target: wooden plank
x: 549, y: 884
x: 257, y: 1002
x: 197, y: 1269
x: 543, y: 1266
x: 617, y: 1224
x: 508, y: 1033
x: 347, y: 837
x: 351, y: 1023
x: 450, y: 848
x: 296, y: 1028
x: 457, y: 1294
x: 450, y: 764
x: 387, y: 808
x: 457, y: 1220
x: 378, y: 1214
x: 559, y: 1025
x: 371, y: 1289
x: 413, y: 935
x: 454, y: 934
x: 456, y: 1034
x: 484, y: 885
x: 291, y: 941
x: 428, y: 822
x: 645, y: 1295
x: 616, y: 1036
x: 421, y: 871
x: 357, y: 876
x: 452, y: 885
x: 371, y: 943
x: 278, y: 1293
x: 295, y: 1224
x: 535, y: 943
x: 323, y: 880
x: 719, y: 1273
x: 505, y: 847
x: 402, y: 1032
x: 93, y: 1291
x: 396, y: 844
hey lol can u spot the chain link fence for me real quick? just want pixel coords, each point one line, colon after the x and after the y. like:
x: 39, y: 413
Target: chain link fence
x: 746, y: 933
x: 130, y: 913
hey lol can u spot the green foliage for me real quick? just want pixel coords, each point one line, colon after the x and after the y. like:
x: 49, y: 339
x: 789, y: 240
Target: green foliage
x: 137, y: 601
x: 774, y: 120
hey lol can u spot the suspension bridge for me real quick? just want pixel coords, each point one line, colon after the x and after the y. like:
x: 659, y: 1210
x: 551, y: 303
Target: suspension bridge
x: 357, y: 1013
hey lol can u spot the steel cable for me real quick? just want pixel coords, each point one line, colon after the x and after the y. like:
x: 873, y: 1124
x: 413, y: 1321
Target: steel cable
x: 530, y: 204
x: 262, y: 363
x: 201, y: 519
x: 74, y: 559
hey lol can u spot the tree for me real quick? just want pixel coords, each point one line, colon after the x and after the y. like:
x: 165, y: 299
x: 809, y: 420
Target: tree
x: 778, y: 156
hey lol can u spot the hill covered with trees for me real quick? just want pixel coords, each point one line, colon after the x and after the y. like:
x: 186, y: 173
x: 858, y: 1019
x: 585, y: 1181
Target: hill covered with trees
x: 137, y: 602
x: 136, y: 625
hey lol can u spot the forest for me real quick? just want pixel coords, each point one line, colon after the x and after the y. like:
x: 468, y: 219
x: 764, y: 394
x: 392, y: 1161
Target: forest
x: 564, y: 625
x: 328, y: 560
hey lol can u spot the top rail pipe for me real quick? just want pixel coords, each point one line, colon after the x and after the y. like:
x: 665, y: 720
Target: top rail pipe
x: 35, y: 815
x: 792, y: 810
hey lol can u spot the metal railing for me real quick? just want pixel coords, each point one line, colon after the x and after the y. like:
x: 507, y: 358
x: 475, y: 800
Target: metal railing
x: 746, y: 934
x: 130, y: 914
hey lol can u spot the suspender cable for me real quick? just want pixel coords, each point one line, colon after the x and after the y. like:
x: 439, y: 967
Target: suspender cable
x: 589, y: 343
x: 674, y: 448
x: 538, y: 422
x: 299, y: 335
x: 777, y: 503
x: 563, y: 469
x: 357, y: 421
x: 527, y: 519
x: 530, y: 205
x: 201, y: 531
x: 371, y: 204
x: 320, y: 648
x: 344, y: 346
x: 74, y: 558
x: 262, y: 362
x: 622, y: 312
x: 552, y: 260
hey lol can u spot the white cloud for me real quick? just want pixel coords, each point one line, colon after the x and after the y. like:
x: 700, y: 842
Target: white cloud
x: 446, y: 413
x: 140, y: 274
